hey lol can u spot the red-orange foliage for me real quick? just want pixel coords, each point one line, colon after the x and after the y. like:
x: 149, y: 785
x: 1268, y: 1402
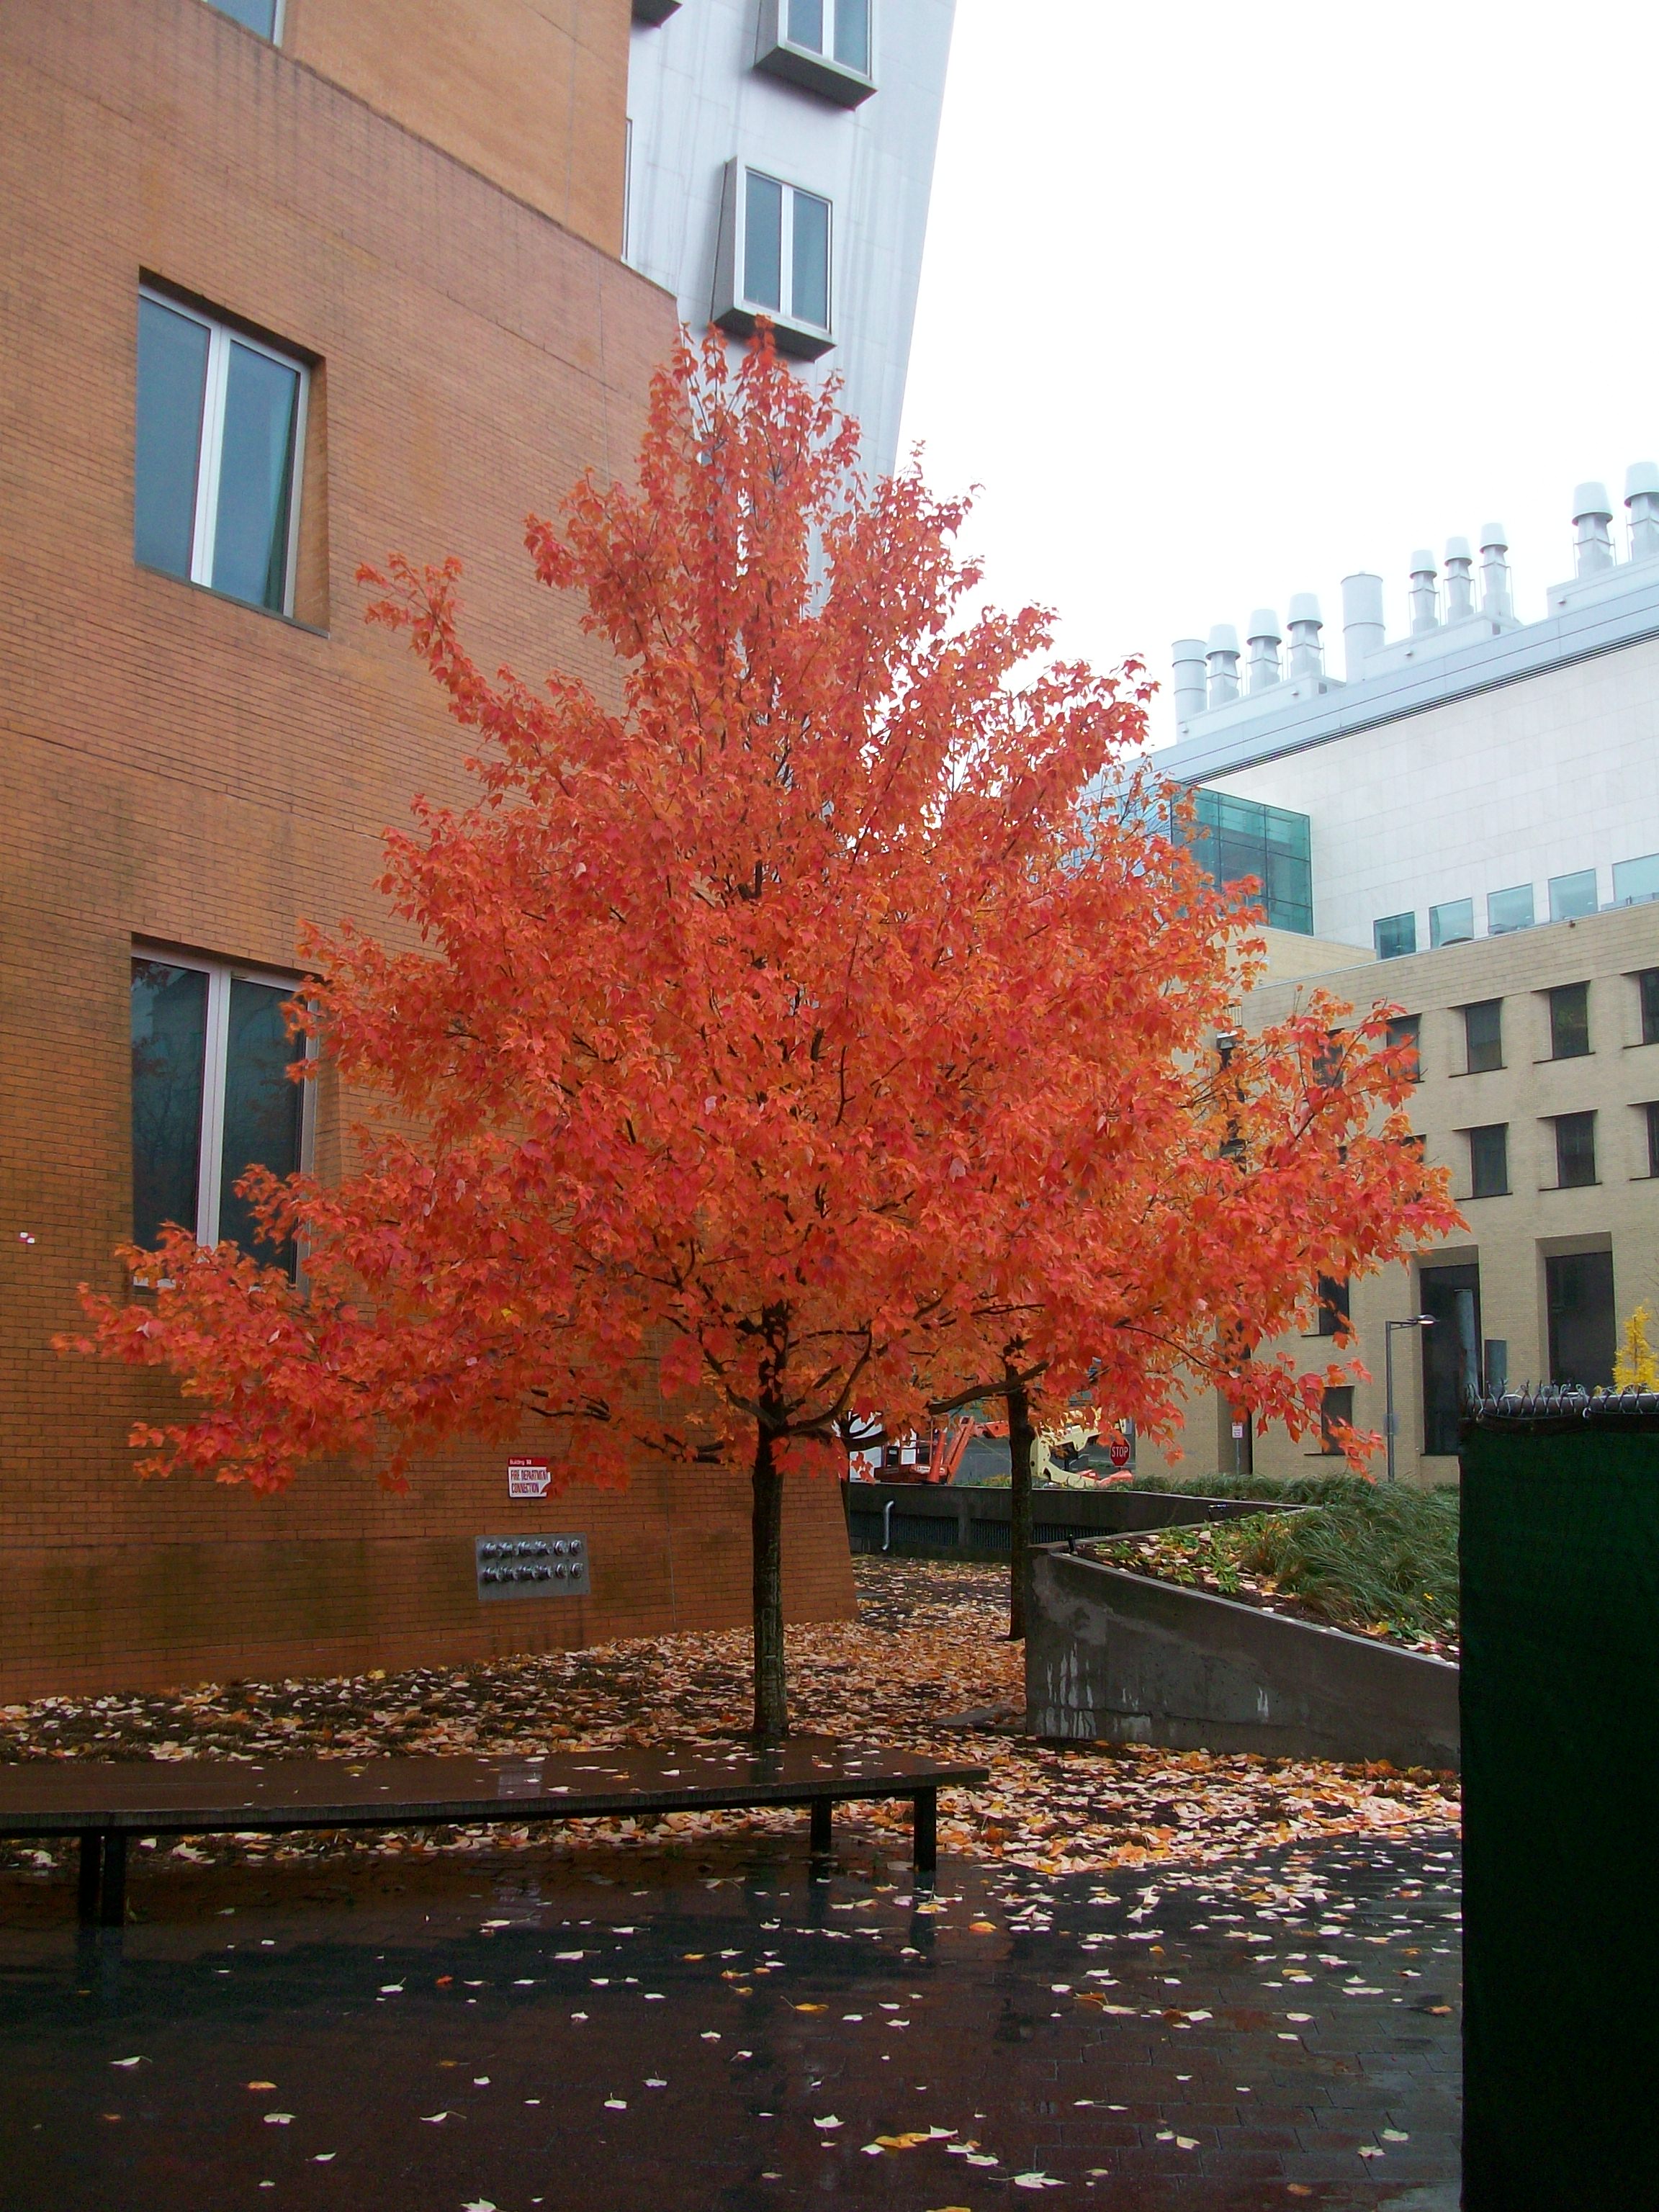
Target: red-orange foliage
x: 804, y: 1022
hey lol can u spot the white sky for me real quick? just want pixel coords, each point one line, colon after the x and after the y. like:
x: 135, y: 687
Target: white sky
x: 1224, y: 302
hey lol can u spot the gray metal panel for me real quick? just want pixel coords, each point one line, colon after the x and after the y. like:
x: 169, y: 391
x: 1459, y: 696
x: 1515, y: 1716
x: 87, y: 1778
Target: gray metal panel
x: 543, y: 1563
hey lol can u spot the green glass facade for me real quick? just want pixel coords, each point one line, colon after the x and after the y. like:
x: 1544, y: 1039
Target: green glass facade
x: 1232, y: 838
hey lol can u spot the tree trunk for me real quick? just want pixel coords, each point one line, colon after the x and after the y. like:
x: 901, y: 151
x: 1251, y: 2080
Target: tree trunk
x: 1022, y: 1437
x: 771, y: 1692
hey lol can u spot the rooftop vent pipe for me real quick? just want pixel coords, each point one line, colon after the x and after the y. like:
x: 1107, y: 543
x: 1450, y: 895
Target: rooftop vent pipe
x: 1592, y: 518
x: 1188, y: 655
x: 1497, y: 601
x: 1222, y: 654
x: 1642, y: 498
x: 1362, y: 630
x: 1263, y: 639
x: 1307, y: 653
x: 1460, y: 579
x: 1424, y: 599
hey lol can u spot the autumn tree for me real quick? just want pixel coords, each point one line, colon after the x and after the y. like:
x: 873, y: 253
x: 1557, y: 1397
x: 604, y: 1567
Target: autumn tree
x: 793, y: 1019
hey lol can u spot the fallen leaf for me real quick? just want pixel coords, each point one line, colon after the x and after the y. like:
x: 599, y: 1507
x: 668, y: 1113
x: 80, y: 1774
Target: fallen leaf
x: 134, y: 2062
x: 799, y: 2008
x: 262, y: 2085
x: 278, y: 2119
x: 828, y: 2121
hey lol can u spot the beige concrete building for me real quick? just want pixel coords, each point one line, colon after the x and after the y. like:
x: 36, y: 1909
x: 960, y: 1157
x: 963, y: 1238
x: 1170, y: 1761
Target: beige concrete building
x: 1539, y: 1060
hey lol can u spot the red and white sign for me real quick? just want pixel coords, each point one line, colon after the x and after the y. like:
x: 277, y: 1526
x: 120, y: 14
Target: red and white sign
x: 1118, y: 1450
x: 528, y: 1478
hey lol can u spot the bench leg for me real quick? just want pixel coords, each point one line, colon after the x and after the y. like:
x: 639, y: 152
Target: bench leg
x: 92, y: 1876
x: 924, y: 1827
x: 823, y: 1815
x: 113, y: 1891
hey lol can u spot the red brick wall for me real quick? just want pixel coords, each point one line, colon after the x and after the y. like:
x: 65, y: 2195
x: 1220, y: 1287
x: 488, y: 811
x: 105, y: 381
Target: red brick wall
x: 176, y: 767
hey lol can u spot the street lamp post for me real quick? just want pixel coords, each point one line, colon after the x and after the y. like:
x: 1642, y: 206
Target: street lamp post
x: 1391, y: 1424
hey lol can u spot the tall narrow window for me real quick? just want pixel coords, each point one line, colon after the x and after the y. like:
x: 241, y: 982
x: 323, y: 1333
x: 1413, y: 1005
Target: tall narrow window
x: 1652, y: 1114
x: 1570, y: 1021
x: 220, y: 425
x: 1489, y: 1161
x: 1575, y: 1151
x: 211, y: 1097
x: 1332, y: 1315
x: 823, y: 46
x: 1483, y: 1035
x: 1451, y: 1351
x: 1648, y: 984
x: 1406, y: 1035
x: 1335, y: 1411
x: 1578, y: 1287
x: 775, y: 259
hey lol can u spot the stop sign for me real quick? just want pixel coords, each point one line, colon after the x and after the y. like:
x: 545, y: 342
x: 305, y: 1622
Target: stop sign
x: 1118, y: 1450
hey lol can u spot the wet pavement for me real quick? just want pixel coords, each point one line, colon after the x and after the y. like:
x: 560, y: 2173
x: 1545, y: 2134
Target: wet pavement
x: 629, y: 2032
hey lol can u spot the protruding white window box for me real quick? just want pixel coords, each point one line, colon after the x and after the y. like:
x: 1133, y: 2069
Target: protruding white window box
x: 774, y: 258
x: 824, y: 46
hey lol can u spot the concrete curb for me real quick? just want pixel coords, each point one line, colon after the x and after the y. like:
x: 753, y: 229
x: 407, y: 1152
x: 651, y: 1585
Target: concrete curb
x: 1117, y: 1657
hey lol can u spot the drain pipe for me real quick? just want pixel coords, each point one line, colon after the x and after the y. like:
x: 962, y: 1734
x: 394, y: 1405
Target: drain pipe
x: 887, y: 1526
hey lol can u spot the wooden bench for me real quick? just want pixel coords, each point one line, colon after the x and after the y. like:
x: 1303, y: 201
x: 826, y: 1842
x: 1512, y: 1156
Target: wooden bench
x: 105, y: 1805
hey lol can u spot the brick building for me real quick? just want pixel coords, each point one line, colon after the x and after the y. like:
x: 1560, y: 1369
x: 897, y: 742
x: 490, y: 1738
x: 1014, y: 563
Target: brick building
x: 287, y: 286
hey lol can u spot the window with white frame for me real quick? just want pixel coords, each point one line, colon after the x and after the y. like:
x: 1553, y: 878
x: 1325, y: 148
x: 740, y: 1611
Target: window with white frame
x: 211, y: 1097
x: 825, y: 45
x: 774, y: 260
x: 221, y: 429
x: 264, y: 17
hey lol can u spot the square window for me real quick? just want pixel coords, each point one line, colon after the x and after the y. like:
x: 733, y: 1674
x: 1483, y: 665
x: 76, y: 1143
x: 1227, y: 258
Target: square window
x: 1489, y: 1161
x: 211, y: 1097
x: 821, y: 46
x: 1335, y: 1406
x: 1570, y: 1021
x: 1571, y: 897
x: 1647, y: 984
x: 1452, y: 923
x: 1510, y: 910
x: 1634, y: 882
x: 221, y: 424
x: 1483, y: 1035
x: 1395, y: 935
x: 264, y: 17
x: 1405, y: 1034
x: 1575, y: 1151
x: 775, y: 259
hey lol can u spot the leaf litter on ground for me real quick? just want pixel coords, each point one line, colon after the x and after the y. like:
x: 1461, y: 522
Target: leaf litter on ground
x: 930, y: 1643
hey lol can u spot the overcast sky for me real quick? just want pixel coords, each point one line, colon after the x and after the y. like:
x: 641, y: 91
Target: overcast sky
x: 1223, y: 301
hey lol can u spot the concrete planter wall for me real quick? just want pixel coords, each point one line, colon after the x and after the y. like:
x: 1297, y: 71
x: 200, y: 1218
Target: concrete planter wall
x: 938, y: 1521
x: 1117, y: 1657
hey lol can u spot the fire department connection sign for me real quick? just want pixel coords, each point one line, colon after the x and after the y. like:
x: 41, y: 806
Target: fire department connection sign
x: 528, y: 1478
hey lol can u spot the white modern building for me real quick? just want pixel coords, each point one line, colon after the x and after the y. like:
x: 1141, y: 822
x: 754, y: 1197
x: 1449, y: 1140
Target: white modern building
x: 1464, y: 825
x: 1465, y: 777
x: 780, y: 157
